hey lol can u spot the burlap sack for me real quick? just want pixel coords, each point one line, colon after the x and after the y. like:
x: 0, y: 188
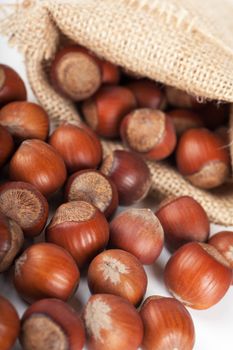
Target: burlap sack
x: 184, y: 43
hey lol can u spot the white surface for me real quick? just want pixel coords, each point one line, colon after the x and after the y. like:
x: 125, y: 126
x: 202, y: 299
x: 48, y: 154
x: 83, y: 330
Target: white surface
x: 214, y: 327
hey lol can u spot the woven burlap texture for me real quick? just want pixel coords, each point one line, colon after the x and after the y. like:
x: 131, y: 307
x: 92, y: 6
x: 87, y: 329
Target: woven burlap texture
x: 184, y: 43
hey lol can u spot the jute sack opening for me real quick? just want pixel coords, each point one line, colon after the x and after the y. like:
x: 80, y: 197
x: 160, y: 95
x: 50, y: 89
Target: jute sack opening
x: 183, y: 43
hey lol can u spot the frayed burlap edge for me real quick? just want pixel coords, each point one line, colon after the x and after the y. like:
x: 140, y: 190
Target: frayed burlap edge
x: 165, y: 180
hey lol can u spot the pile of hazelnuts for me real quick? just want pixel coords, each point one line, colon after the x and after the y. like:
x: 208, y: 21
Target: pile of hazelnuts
x: 64, y: 171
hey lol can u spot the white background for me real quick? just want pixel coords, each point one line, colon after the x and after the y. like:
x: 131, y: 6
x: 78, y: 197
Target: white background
x: 214, y: 327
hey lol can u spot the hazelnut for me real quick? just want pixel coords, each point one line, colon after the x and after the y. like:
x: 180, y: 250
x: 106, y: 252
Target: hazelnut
x: 202, y: 158
x: 25, y: 120
x: 81, y: 229
x: 40, y: 164
x: 23, y: 203
x: 12, y: 87
x: 45, y: 270
x: 130, y: 174
x: 149, y: 132
x: 94, y: 187
x: 11, y: 241
x: 77, y: 147
x: 105, y: 110
x: 117, y: 272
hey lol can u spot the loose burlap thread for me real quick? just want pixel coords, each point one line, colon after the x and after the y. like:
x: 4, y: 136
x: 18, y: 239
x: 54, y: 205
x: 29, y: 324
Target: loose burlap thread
x: 183, y: 43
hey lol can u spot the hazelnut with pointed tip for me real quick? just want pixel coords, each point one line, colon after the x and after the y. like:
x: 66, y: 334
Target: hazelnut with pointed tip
x: 77, y: 147
x: 112, y: 323
x: 45, y: 270
x: 39, y: 164
x: 117, y: 272
x: 167, y: 325
x: 198, y: 275
x: 176, y: 214
x: 139, y: 232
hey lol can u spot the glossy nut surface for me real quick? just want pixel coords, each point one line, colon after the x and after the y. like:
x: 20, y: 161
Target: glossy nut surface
x: 202, y: 158
x: 117, y: 272
x: 223, y: 241
x: 6, y: 145
x: 110, y: 73
x: 112, y: 323
x: 183, y: 220
x: 105, y: 110
x: 12, y: 87
x: 9, y: 324
x: 167, y: 325
x: 130, y: 174
x: 40, y: 164
x: 181, y: 99
x: 139, y: 232
x: 51, y: 324
x: 81, y: 229
x: 77, y: 147
x: 25, y: 120
x: 184, y: 119
x: 198, y: 275
x: 45, y: 270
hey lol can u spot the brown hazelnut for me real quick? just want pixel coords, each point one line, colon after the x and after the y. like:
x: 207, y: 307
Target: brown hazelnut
x: 51, y: 324
x: 45, y: 270
x: 23, y: 203
x: 76, y: 72
x: 147, y: 93
x: 81, y: 229
x: 12, y: 87
x: 105, y: 110
x: 117, y: 272
x: 149, y: 132
x: 6, y: 145
x: 9, y: 324
x: 130, y: 174
x: 94, y: 187
x: 78, y: 148
x: 112, y: 323
x: 11, y: 241
x: 202, y: 158
x: 25, y: 120
x: 176, y: 214
x: 40, y: 164
x: 139, y: 232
